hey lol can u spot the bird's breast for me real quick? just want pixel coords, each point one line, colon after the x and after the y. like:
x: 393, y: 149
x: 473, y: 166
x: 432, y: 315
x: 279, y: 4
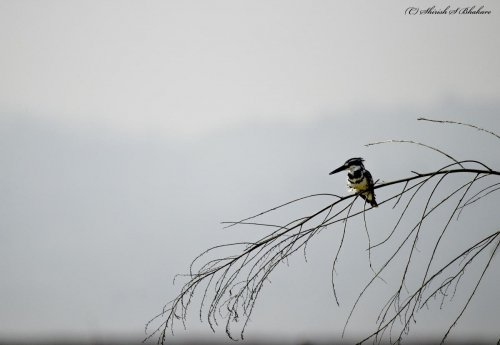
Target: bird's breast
x: 358, y: 184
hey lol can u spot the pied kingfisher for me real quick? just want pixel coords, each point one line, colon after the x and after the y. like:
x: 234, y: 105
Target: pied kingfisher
x: 359, y: 179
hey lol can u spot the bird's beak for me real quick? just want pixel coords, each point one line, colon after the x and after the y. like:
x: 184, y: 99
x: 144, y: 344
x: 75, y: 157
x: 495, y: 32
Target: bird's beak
x: 341, y: 168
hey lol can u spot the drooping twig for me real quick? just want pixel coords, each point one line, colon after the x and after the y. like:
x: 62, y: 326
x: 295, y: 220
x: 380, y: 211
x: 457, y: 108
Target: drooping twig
x: 460, y: 123
x: 415, y: 143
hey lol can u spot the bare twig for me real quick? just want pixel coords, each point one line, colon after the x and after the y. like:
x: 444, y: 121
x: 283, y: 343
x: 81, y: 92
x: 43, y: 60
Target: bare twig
x: 460, y: 123
x: 415, y: 143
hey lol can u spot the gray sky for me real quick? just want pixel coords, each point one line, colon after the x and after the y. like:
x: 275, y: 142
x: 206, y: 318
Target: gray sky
x: 130, y: 130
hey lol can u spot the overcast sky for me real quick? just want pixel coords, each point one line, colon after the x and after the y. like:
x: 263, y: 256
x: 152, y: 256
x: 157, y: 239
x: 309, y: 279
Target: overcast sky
x: 129, y: 130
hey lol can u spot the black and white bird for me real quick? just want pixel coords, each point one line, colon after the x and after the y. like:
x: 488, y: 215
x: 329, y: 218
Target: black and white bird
x: 359, y: 179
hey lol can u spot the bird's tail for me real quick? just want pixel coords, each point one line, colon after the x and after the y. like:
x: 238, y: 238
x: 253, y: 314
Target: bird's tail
x: 370, y: 198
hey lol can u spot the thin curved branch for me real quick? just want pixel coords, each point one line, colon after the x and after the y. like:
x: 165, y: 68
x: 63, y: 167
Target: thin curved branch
x: 462, y: 124
x: 415, y: 143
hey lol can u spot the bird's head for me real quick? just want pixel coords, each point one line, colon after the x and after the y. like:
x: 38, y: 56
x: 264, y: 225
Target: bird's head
x: 350, y: 164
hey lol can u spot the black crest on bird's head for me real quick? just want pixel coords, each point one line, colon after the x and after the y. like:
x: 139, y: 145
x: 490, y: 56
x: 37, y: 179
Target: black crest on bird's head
x: 358, y: 161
